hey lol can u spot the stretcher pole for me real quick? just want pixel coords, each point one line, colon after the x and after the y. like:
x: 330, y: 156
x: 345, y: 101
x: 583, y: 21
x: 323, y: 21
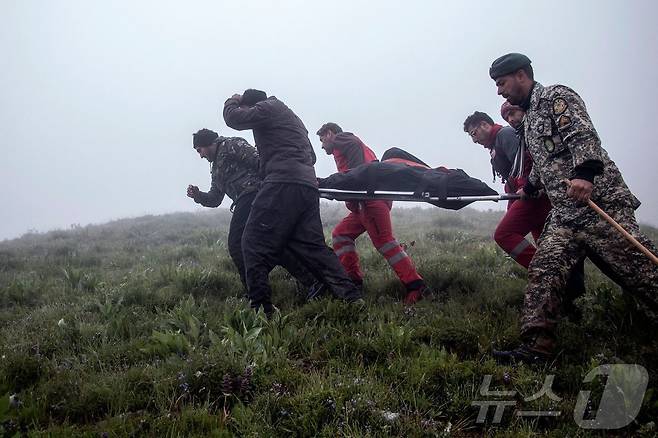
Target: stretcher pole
x: 360, y: 195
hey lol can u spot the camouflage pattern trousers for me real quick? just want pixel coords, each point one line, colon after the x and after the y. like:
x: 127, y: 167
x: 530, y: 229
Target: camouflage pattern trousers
x: 561, y: 246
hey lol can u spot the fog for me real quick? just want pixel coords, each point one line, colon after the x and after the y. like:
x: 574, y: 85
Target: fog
x: 99, y: 100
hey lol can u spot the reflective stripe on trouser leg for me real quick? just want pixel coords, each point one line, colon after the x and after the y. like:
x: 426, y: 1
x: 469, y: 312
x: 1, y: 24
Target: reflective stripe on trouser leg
x: 387, y: 247
x: 341, y: 239
x: 518, y: 249
x: 345, y: 249
x: 343, y: 245
x: 397, y: 258
x: 401, y: 263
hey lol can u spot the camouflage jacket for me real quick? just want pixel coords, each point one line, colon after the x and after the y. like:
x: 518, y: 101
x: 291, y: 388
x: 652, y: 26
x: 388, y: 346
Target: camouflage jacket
x: 563, y: 142
x: 234, y: 171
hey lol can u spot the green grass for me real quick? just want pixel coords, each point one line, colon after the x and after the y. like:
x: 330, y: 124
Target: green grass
x: 138, y: 327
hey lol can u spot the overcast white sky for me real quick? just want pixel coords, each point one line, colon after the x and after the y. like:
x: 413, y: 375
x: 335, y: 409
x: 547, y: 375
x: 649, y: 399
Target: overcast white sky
x: 98, y: 100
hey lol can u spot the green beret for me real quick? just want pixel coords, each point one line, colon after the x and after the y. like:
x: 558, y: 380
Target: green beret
x: 507, y: 64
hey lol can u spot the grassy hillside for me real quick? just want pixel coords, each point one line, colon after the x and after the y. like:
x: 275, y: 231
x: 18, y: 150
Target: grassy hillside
x: 137, y: 327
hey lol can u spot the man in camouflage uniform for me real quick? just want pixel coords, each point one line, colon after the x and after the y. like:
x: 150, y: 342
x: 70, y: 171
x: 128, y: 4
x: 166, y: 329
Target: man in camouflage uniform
x: 234, y: 173
x: 565, y: 146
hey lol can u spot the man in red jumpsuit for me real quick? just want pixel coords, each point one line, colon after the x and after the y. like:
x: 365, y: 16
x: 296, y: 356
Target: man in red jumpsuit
x: 372, y: 217
x: 512, y: 164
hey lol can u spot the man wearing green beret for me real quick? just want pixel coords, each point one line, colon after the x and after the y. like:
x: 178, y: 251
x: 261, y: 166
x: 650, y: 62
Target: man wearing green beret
x: 571, y: 167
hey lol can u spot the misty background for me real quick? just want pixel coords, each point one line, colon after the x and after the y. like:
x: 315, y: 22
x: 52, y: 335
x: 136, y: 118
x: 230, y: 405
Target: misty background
x: 99, y: 100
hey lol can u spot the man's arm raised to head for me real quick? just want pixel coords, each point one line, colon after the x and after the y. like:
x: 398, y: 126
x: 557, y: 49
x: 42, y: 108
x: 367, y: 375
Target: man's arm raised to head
x: 241, y: 117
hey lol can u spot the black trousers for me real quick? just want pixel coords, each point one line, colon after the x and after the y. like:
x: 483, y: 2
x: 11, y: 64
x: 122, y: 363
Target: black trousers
x: 287, y: 216
x: 241, y: 211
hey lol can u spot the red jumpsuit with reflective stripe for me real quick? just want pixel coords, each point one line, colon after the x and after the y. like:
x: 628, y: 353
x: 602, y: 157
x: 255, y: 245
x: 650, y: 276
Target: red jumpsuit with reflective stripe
x: 523, y: 216
x: 372, y: 217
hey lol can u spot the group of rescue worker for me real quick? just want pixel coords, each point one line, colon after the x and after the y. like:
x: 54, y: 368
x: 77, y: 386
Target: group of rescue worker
x: 551, y: 156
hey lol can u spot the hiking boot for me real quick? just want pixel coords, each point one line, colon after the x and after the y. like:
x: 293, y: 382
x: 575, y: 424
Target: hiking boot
x: 412, y: 297
x: 416, y: 295
x: 523, y: 354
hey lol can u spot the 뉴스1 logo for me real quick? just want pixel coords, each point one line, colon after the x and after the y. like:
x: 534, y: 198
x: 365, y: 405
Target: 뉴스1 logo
x: 619, y: 404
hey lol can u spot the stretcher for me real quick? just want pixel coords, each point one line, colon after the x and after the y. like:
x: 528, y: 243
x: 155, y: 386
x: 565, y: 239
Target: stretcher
x: 364, y: 195
x: 403, y: 177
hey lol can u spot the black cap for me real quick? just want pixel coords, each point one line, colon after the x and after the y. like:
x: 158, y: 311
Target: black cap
x: 204, y: 137
x: 507, y: 64
x: 251, y: 97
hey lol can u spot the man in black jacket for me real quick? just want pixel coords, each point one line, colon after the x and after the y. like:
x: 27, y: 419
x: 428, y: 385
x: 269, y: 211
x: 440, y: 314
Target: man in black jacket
x: 286, y: 210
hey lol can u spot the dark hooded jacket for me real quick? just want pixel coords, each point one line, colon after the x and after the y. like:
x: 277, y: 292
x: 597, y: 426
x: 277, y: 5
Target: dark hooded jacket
x: 286, y: 154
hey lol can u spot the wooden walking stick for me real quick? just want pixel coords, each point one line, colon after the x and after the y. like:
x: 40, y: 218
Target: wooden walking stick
x: 619, y: 228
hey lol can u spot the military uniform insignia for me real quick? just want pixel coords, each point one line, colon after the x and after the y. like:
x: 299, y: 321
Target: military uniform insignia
x: 549, y: 145
x: 563, y: 121
x: 559, y: 106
